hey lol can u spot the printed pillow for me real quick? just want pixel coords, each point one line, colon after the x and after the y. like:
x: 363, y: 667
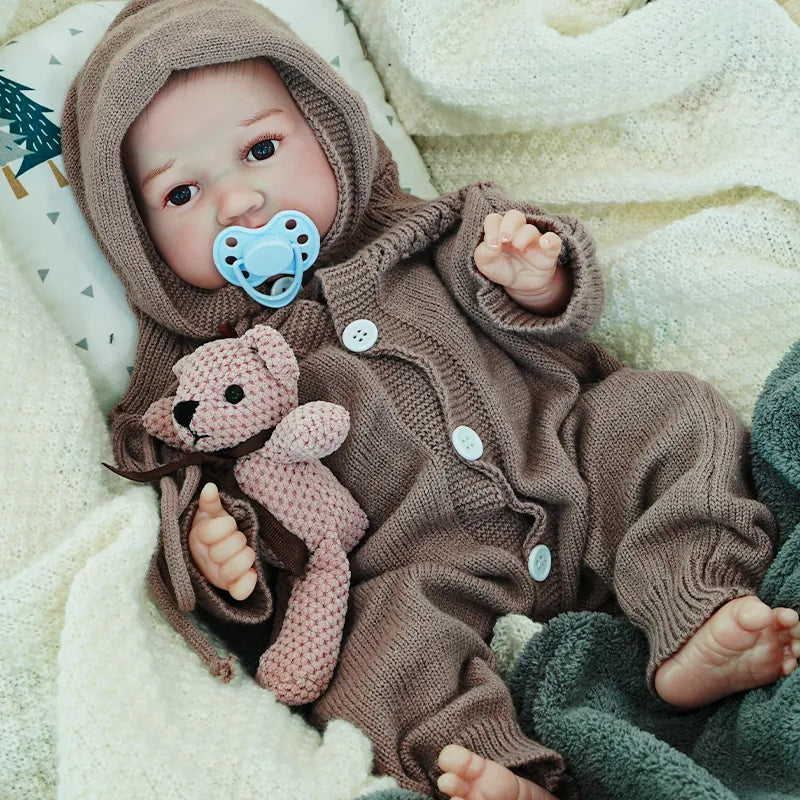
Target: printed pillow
x: 39, y: 219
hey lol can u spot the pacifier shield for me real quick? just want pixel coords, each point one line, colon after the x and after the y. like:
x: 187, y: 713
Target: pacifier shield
x: 284, y: 248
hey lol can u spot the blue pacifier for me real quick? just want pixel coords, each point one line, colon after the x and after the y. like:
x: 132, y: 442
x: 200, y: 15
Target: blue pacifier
x: 286, y: 246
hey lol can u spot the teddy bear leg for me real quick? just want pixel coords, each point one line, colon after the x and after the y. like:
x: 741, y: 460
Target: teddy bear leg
x: 298, y: 666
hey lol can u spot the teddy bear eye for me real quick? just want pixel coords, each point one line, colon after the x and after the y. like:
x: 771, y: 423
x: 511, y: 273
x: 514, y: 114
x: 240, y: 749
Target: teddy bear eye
x: 234, y: 393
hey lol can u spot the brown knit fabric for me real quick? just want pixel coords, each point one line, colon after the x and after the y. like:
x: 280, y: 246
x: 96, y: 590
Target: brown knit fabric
x: 634, y: 481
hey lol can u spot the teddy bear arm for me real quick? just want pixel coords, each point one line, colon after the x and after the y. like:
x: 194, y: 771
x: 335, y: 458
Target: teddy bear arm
x: 313, y: 430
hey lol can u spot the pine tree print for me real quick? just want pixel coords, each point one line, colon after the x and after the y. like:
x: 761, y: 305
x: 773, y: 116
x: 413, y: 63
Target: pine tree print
x: 11, y: 151
x: 28, y: 124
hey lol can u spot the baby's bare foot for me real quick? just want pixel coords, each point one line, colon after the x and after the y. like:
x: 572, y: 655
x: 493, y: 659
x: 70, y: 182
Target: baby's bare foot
x: 743, y: 645
x: 469, y: 777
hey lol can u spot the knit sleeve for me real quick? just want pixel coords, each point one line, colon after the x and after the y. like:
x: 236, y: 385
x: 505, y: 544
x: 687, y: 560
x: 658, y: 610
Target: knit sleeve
x: 255, y: 608
x: 489, y: 305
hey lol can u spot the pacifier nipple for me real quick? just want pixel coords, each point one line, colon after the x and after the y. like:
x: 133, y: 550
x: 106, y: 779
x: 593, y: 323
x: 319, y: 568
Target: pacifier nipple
x: 283, y: 249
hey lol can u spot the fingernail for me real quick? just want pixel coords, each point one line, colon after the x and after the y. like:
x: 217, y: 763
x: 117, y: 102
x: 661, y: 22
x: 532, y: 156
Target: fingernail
x: 506, y: 237
x: 494, y: 243
x: 546, y: 242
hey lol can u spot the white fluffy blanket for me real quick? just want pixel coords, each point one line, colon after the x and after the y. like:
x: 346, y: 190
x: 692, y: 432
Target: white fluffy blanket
x: 672, y: 129
x: 99, y: 698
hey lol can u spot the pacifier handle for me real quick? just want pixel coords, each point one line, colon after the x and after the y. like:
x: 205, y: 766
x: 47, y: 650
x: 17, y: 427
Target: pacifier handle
x: 270, y: 300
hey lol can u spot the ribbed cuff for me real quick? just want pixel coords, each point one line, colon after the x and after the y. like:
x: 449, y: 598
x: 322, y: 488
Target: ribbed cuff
x: 504, y: 742
x: 672, y: 612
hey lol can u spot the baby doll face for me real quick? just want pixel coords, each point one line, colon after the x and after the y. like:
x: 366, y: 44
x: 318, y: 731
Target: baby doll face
x: 224, y: 146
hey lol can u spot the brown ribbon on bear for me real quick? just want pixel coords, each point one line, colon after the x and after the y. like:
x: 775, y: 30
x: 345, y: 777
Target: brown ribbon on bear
x: 287, y: 547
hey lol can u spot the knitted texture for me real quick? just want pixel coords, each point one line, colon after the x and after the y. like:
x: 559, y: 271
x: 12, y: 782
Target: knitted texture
x: 632, y: 480
x: 228, y: 391
x: 670, y: 129
x: 98, y: 695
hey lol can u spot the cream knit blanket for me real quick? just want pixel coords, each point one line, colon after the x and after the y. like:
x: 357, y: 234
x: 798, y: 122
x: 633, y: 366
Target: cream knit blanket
x: 672, y: 129
x: 99, y: 697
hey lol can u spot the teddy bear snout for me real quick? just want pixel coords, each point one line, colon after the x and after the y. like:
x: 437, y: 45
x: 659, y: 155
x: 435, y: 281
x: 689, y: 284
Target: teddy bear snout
x: 184, y: 411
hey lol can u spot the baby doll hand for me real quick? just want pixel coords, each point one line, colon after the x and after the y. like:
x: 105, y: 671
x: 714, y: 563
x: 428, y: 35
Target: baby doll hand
x: 516, y: 255
x: 219, y: 549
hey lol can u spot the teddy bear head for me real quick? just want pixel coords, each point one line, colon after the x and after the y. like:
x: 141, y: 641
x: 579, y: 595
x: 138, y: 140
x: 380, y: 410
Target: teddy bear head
x: 228, y: 390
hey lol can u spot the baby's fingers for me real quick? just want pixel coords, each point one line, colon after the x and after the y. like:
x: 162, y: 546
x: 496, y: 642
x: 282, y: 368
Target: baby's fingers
x: 228, y: 547
x: 499, y: 228
x: 237, y: 565
x: 525, y: 237
x: 492, y: 265
x: 512, y: 221
x: 491, y: 230
x: 242, y: 588
x: 211, y: 531
x: 543, y: 253
x: 209, y: 504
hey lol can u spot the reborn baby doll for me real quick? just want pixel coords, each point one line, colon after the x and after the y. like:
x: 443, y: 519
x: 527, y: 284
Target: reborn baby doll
x: 505, y: 464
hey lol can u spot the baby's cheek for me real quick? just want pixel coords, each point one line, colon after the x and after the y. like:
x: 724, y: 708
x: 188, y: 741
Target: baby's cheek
x: 186, y: 247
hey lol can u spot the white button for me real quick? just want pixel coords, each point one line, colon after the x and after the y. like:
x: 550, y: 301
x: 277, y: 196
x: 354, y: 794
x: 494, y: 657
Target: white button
x: 360, y: 335
x: 467, y: 443
x: 539, y: 562
x: 281, y: 285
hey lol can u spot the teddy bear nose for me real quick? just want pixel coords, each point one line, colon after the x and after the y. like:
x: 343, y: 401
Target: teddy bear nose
x: 184, y: 411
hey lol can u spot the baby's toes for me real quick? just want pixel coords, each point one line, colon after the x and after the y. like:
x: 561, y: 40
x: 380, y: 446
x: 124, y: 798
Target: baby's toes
x: 788, y: 618
x: 751, y: 614
x: 454, y: 759
x: 450, y: 784
x: 790, y: 639
x: 791, y: 653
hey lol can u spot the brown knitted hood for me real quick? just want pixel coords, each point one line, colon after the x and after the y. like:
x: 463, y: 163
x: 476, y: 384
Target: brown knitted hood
x: 148, y: 41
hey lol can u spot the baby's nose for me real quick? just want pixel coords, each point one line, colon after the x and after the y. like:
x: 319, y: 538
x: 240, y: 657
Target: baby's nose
x: 237, y: 205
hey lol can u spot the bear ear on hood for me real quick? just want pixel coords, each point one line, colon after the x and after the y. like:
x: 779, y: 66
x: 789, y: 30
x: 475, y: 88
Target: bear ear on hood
x: 274, y: 351
x: 158, y: 423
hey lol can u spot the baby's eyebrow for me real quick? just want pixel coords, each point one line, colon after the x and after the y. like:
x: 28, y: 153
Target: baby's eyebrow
x: 155, y: 172
x: 257, y: 117
x: 267, y: 112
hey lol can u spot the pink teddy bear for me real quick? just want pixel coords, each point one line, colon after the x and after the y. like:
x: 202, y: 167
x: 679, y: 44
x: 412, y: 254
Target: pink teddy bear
x: 229, y: 390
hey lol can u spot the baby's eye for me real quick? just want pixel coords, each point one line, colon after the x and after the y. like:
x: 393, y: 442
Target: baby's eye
x: 263, y: 150
x: 181, y: 194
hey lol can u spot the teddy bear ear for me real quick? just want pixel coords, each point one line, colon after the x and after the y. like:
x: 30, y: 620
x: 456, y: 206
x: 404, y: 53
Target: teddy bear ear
x: 157, y: 422
x: 274, y: 351
x: 180, y: 365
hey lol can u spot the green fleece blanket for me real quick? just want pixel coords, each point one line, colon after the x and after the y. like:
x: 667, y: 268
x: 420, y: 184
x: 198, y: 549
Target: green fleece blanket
x: 579, y: 685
